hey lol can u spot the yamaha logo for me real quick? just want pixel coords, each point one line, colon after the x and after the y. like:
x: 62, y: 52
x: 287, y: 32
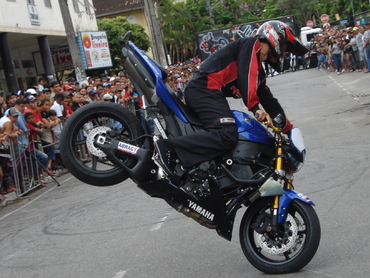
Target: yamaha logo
x: 201, y: 210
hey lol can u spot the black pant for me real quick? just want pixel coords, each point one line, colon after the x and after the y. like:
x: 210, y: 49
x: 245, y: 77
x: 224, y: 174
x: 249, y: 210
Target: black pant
x: 220, y: 136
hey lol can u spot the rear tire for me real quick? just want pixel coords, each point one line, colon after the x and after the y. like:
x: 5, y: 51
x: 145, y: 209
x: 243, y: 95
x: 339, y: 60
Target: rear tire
x: 84, y: 126
x: 291, y: 249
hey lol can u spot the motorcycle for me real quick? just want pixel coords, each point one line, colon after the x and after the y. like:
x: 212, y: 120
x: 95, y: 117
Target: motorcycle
x: 279, y: 231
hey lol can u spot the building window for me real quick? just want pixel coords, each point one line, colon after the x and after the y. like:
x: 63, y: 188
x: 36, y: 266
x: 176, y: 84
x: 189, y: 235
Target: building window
x: 88, y: 7
x: 47, y: 3
x: 10, y: 0
x: 31, y: 2
x: 75, y: 6
x: 28, y: 64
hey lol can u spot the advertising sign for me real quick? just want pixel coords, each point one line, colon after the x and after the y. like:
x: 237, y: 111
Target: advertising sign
x: 96, y: 49
x: 34, y: 15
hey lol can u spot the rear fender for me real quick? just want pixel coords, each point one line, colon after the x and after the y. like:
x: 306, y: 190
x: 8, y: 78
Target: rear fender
x: 286, y: 199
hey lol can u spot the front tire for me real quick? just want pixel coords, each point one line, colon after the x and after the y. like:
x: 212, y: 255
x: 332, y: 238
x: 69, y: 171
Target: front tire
x: 82, y: 129
x: 289, y: 250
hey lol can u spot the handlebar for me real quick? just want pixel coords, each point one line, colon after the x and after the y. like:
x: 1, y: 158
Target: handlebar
x: 275, y: 122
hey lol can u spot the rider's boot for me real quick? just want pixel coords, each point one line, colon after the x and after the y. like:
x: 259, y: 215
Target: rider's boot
x: 167, y: 156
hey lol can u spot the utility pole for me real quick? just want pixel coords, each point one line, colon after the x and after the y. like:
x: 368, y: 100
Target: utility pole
x: 158, y: 49
x: 72, y: 42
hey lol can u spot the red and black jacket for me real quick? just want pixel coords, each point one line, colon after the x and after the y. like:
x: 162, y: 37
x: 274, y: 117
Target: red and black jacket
x: 236, y: 71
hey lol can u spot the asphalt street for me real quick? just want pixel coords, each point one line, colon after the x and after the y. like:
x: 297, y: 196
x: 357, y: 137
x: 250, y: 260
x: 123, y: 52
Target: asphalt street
x: 77, y: 230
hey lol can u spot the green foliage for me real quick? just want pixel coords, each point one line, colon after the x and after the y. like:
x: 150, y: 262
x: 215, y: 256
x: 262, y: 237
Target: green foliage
x: 180, y: 21
x: 118, y: 27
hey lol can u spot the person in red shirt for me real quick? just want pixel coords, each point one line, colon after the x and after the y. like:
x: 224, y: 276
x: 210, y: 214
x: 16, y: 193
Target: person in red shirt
x: 34, y: 110
x: 42, y: 158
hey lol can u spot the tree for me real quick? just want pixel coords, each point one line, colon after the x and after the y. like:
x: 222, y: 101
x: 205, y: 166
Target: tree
x: 180, y: 22
x: 118, y: 27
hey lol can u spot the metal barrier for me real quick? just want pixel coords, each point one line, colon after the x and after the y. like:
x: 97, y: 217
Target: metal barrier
x: 20, y: 169
x: 20, y: 165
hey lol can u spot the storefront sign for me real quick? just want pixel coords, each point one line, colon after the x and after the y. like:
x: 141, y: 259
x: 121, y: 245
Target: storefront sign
x: 62, y: 58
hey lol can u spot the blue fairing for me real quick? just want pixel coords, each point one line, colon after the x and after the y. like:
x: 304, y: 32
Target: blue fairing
x: 286, y: 199
x: 161, y: 89
x: 252, y: 130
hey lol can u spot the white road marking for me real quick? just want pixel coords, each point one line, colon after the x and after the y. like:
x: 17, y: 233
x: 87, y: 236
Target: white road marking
x: 159, y: 224
x: 119, y: 274
x: 342, y: 87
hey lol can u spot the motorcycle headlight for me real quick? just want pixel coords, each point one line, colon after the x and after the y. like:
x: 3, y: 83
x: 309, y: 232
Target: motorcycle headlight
x: 296, y: 151
x: 294, y: 159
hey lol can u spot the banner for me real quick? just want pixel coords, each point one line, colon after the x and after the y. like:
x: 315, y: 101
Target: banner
x: 62, y: 58
x: 213, y: 40
x: 95, y: 49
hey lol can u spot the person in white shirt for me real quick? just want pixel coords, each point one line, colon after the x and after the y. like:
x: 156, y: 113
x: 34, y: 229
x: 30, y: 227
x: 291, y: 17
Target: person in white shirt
x: 58, y: 107
x: 366, y: 46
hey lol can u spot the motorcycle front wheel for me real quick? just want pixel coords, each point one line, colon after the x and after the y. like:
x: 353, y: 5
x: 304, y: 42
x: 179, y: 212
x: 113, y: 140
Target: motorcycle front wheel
x: 290, y: 248
x: 82, y: 129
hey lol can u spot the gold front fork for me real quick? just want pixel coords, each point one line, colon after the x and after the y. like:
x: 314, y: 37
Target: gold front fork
x: 278, y: 166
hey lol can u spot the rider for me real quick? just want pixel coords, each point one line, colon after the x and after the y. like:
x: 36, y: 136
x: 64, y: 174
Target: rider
x: 234, y: 70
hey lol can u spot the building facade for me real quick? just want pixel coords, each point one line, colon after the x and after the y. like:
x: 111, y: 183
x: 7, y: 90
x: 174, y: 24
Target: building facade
x: 33, y: 40
x: 142, y: 12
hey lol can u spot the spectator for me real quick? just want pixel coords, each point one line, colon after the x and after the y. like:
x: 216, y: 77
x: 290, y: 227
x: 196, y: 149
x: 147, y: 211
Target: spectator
x: 20, y: 105
x: 100, y: 90
x: 5, y: 188
x: 31, y: 91
x: 352, y: 51
x: 58, y: 107
x: 48, y: 137
x: 336, y: 52
x: 366, y: 46
x: 68, y: 103
x: 359, y: 43
x: 55, y: 89
x: 22, y: 93
x: 77, y: 101
x: 2, y: 105
x: 107, y: 97
x: 34, y: 110
x: 10, y: 100
x: 41, y: 84
x: 41, y: 157
x: 92, y: 96
x: 68, y: 90
x: 45, y: 94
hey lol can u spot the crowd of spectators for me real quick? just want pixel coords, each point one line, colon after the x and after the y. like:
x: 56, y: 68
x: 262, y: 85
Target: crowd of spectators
x: 37, y: 115
x: 342, y: 50
x: 180, y: 73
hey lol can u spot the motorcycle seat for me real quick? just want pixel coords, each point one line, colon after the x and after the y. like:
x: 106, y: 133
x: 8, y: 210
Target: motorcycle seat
x: 189, y: 114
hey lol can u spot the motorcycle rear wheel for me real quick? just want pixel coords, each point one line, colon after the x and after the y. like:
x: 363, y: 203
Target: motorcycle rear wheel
x: 285, y: 252
x: 83, y: 127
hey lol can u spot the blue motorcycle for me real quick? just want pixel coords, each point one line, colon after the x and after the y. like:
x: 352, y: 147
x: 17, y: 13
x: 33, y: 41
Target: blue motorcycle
x: 279, y: 231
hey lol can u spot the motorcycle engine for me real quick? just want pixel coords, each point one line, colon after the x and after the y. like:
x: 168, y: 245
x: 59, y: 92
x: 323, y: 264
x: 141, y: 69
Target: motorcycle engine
x: 240, y: 170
